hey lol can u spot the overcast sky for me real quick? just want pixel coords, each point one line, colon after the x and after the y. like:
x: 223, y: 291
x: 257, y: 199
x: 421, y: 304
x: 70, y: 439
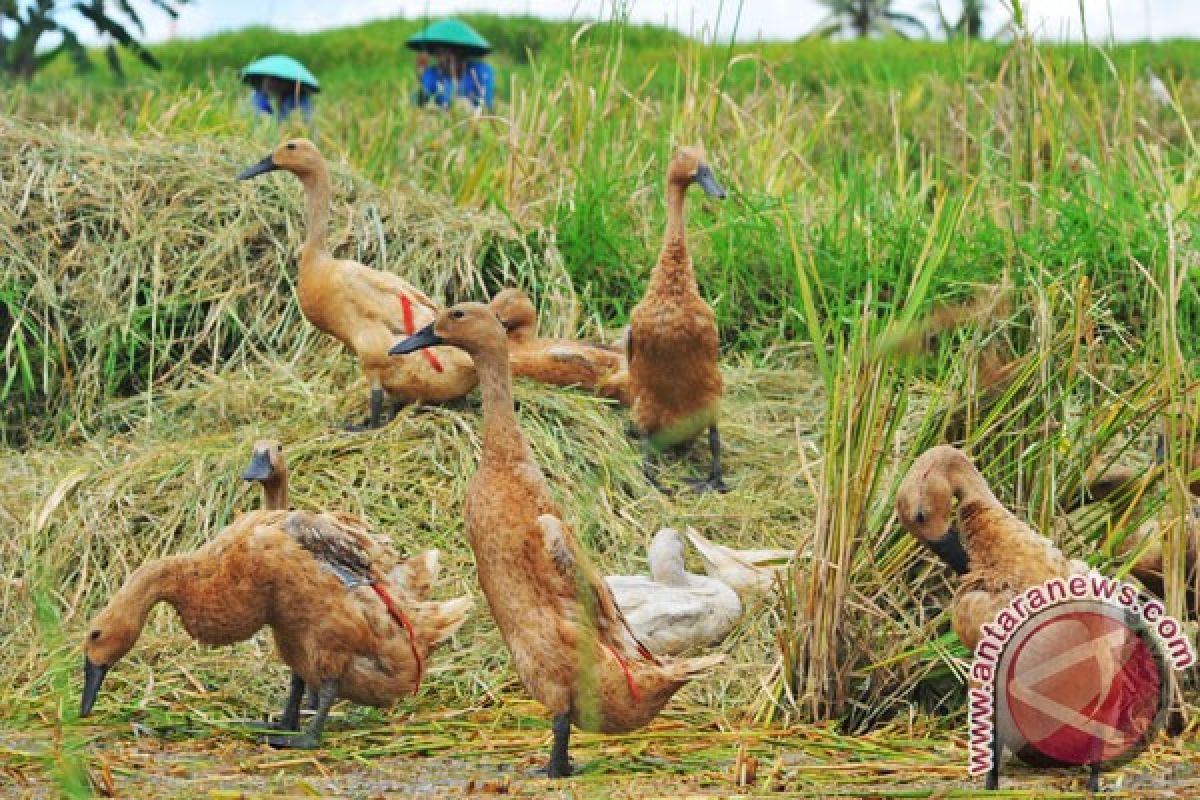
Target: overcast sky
x: 771, y: 19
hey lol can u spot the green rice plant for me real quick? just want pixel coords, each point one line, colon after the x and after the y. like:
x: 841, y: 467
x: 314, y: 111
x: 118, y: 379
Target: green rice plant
x: 867, y: 392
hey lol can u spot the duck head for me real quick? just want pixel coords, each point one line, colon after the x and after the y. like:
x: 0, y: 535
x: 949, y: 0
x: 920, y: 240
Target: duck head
x: 473, y: 327
x: 516, y: 313
x: 111, y: 635
x: 688, y: 165
x: 926, y: 505
x: 267, y: 466
x: 298, y: 156
x: 266, y: 463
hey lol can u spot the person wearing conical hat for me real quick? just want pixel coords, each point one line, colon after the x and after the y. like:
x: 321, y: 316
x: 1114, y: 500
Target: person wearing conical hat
x: 281, y: 85
x: 457, y: 71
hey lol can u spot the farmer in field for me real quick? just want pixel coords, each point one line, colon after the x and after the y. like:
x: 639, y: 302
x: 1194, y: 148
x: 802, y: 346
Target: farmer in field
x: 281, y: 85
x: 458, y: 72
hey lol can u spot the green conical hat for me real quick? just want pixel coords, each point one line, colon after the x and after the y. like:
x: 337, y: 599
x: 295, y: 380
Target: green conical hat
x: 284, y: 67
x: 450, y: 32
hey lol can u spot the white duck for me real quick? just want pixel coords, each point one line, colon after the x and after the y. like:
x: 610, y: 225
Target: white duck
x: 751, y: 573
x: 674, y: 610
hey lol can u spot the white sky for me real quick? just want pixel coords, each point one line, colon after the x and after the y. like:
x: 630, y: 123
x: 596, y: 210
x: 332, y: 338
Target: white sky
x: 769, y: 19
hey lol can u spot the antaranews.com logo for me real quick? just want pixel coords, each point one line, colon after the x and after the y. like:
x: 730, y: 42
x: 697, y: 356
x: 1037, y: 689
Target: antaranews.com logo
x: 1073, y: 672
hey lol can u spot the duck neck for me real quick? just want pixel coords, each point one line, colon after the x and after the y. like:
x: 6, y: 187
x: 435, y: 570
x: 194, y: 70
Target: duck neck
x: 522, y: 334
x: 316, y: 214
x: 275, y: 492
x: 670, y: 573
x: 674, y: 265
x: 502, y: 437
x: 154, y: 582
x: 978, y: 511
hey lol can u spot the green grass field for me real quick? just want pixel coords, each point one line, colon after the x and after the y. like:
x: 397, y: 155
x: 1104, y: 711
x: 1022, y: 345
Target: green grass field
x: 150, y: 333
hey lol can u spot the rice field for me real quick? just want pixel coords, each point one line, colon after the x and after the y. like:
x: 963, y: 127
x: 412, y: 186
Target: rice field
x: 908, y: 222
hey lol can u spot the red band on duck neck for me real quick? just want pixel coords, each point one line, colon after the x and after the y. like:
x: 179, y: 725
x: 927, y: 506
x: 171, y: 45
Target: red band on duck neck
x: 410, y: 329
x: 633, y: 690
x: 401, y: 618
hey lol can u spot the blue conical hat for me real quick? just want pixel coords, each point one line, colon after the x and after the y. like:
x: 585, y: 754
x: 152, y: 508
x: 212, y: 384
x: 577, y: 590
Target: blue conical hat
x: 450, y: 32
x: 284, y: 67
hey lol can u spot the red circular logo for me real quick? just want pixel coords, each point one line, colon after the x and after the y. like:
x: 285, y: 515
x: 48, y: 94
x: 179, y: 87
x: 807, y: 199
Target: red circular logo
x: 1082, y: 686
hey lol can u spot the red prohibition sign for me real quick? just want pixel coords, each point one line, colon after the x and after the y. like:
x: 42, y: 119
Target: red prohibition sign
x: 1083, y: 688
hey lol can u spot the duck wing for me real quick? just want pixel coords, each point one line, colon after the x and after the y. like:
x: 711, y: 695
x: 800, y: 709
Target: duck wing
x: 387, y: 299
x: 578, y: 574
x: 334, y: 545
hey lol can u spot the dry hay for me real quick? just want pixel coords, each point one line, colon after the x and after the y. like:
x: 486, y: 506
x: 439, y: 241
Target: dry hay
x: 157, y: 473
x: 83, y: 516
x: 128, y: 260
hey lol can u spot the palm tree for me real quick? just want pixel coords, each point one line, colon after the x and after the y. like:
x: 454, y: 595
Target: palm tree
x: 28, y: 21
x: 865, y: 18
x: 970, y: 21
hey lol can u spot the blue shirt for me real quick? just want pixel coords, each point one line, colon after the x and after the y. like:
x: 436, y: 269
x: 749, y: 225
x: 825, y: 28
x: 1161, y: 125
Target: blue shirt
x: 478, y: 85
x: 290, y: 102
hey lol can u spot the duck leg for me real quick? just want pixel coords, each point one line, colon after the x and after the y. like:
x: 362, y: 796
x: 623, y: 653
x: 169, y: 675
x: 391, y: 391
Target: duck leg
x: 375, y: 419
x: 326, y: 695
x: 310, y: 699
x: 560, y: 764
x: 1093, y: 784
x: 714, y: 482
x: 993, y: 776
x: 649, y: 466
x: 289, y: 720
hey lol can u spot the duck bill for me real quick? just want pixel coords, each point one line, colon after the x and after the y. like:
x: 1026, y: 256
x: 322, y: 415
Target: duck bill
x: 266, y: 165
x: 418, y: 341
x: 949, y: 549
x: 708, y: 182
x: 93, y: 676
x: 260, y: 468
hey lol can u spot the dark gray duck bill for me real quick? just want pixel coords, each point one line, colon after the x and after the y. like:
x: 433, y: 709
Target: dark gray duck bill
x: 260, y: 468
x: 418, y: 341
x: 950, y: 550
x: 93, y: 676
x: 708, y: 182
x: 266, y: 165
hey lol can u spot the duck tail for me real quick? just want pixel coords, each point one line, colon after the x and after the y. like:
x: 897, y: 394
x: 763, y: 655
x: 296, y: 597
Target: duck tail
x: 686, y: 669
x: 416, y: 576
x: 710, y: 552
x: 447, y: 617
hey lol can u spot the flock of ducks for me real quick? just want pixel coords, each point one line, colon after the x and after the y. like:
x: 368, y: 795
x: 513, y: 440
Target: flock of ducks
x: 353, y: 619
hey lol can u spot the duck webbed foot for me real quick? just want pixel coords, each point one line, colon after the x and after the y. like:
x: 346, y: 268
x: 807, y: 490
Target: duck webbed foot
x: 713, y: 483
x: 326, y: 695
x: 560, y: 764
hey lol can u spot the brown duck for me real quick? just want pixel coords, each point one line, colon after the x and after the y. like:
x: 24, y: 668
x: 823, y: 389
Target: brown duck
x: 365, y: 309
x: 675, y: 383
x: 559, y: 362
x: 334, y: 620
x: 570, y: 645
x: 1002, y: 555
x: 413, y: 577
x: 998, y: 557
